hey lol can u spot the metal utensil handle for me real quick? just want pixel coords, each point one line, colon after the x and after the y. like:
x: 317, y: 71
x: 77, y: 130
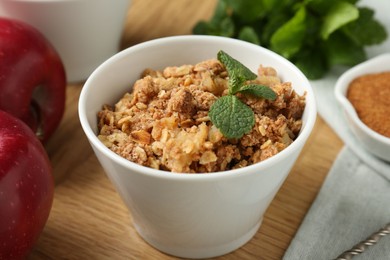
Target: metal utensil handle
x: 363, y: 245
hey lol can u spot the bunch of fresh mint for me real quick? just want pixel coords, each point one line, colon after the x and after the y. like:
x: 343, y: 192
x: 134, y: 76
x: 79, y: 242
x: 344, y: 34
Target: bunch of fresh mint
x: 314, y: 34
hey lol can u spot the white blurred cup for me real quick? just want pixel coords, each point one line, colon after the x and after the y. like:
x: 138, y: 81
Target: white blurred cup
x: 84, y: 32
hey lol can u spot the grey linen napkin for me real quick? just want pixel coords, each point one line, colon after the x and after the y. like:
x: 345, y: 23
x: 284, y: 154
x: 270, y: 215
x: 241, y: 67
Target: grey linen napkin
x: 352, y: 204
x: 354, y: 200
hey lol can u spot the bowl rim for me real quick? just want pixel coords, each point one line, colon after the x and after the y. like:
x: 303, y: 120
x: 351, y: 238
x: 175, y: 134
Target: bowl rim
x: 96, y: 143
x: 342, y: 85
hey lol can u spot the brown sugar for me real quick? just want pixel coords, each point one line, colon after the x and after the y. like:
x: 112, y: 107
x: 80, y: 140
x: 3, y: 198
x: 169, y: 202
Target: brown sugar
x: 370, y: 96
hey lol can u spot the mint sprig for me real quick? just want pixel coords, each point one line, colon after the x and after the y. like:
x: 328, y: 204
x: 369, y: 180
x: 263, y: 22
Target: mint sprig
x: 229, y: 114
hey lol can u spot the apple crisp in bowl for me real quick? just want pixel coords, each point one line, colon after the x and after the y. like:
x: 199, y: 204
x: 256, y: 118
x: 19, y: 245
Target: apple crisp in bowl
x: 242, y: 131
x: 164, y: 121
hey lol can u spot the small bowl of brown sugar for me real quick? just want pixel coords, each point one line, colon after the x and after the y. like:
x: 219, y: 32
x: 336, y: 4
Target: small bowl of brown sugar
x: 363, y: 92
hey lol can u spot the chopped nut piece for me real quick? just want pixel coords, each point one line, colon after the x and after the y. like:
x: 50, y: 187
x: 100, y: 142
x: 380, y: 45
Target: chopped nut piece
x: 207, y: 157
x: 141, y: 136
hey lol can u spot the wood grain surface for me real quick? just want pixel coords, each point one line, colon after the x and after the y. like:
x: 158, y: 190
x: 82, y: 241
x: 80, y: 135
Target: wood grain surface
x: 88, y: 219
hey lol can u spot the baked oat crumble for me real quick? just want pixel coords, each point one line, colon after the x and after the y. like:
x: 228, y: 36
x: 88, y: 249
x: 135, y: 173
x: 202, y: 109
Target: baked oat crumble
x: 163, y: 123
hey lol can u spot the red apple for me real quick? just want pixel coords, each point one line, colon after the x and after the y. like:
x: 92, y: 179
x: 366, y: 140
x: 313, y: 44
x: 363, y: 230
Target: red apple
x: 26, y: 187
x: 32, y: 77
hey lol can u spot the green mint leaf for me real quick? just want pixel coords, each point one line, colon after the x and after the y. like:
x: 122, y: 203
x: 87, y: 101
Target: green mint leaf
x: 273, y: 23
x: 341, y: 50
x: 338, y: 15
x: 231, y: 116
x: 224, y: 28
x: 238, y: 73
x: 248, y: 34
x: 201, y: 27
x: 312, y: 62
x: 259, y: 91
x: 288, y: 39
x: 366, y: 30
x: 323, y: 6
x: 248, y: 10
x: 220, y: 12
x: 220, y: 24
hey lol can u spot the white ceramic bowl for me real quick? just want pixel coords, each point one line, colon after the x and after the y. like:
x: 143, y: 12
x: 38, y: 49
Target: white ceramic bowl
x: 373, y: 142
x: 191, y: 215
x: 84, y: 32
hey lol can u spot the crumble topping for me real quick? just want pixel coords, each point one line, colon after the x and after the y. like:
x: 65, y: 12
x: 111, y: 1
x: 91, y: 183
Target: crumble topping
x: 163, y: 121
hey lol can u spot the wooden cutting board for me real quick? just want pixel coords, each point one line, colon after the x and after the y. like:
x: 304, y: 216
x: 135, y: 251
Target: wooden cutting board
x: 88, y: 219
